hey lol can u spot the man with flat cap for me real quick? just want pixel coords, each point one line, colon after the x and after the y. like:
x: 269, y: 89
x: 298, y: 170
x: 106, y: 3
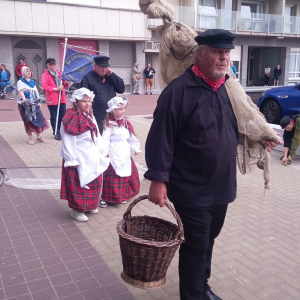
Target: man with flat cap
x: 289, y: 125
x: 105, y: 84
x: 191, y: 157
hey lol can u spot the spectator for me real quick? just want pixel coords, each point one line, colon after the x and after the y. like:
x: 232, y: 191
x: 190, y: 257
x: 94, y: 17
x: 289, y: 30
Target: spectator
x: 233, y: 67
x: 136, y: 76
x: 19, y: 67
x: 83, y: 163
x: 27, y: 89
x: 53, y: 85
x: 277, y: 73
x: 4, y: 77
x: 149, y: 71
x: 267, y: 74
x: 105, y: 84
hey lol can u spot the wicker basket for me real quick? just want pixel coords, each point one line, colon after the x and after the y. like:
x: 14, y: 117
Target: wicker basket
x: 148, y: 245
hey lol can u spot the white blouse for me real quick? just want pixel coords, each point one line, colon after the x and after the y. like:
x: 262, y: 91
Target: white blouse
x: 117, y: 142
x: 81, y: 151
x: 267, y: 70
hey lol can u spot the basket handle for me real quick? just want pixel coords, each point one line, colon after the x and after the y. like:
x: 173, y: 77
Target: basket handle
x: 127, y: 215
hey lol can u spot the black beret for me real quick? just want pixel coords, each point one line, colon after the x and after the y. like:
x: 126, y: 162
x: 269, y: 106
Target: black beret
x: 50, y: 60
x: 102, y: 61
x: 285, y: 121
x: 217, y: 38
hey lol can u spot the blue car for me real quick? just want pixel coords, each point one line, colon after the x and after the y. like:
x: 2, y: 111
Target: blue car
x: 279, y: 102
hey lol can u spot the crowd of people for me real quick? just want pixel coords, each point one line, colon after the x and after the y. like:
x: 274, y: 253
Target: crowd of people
x: 193, y: 120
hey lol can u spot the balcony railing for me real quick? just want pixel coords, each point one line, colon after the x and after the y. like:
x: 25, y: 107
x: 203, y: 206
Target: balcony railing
x: 236, y: 21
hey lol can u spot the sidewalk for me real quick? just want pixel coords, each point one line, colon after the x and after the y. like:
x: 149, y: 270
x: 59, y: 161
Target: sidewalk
x: 46, y: 255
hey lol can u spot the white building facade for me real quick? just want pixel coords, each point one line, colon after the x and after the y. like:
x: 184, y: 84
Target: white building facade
x: 35, y: 30
x: 267, y: 33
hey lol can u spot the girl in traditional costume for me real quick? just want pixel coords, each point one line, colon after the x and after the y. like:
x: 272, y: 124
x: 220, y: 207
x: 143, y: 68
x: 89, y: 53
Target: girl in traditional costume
x: 83, y: 163
x: 121, y: 179
x: 28, y: 91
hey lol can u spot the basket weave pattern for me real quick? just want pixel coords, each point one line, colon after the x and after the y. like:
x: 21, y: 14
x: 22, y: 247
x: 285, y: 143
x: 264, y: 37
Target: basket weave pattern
x: 148, y: 245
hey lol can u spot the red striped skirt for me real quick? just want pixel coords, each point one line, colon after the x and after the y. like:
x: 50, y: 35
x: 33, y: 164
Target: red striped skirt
x: 118, y: 189
x: 79, y: 198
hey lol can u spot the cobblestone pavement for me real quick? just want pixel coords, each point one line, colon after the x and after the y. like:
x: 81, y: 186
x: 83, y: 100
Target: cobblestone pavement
x: 256, y: 255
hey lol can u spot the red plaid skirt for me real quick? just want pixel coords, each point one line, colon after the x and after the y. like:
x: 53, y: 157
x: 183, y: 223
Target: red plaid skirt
x: 118, y: 189
x: 79, y: 198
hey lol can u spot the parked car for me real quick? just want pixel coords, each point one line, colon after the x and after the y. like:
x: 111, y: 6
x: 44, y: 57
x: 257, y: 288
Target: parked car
x: 279, y: 102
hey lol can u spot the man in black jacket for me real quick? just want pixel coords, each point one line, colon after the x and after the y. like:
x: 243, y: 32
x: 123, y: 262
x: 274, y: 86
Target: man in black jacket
x: 191, y: 157
x: 105, y: 84
x: 289, y: 125
x: 277, y: 73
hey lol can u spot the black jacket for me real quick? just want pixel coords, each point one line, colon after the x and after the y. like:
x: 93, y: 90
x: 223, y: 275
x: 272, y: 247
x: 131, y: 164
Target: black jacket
x: 104, y: 91
x: 289, y: 135
x: 277, y: 72
x: 192, y: 143
x: 148, y: 72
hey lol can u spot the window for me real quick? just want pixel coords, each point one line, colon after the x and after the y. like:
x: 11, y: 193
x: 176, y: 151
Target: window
x: 208, y: 14
x: 294, y: 65
x: 208, y: 7
x: 249, y: 8
x: 289, y: 19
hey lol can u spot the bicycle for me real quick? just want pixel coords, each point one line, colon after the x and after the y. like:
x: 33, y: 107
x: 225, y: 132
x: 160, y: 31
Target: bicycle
x: 39, y: 87
x: 10, y: 91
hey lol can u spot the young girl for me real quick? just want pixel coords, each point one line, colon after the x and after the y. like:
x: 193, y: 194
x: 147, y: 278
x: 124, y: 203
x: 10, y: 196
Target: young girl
x: 121, y: 179
x: 83, y: 164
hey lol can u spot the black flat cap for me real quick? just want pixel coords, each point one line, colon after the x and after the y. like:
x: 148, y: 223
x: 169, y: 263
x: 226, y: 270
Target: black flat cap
x: 102, y: 61
x: 50, y: 60
x: 217, y: 38
x: 285, y: 121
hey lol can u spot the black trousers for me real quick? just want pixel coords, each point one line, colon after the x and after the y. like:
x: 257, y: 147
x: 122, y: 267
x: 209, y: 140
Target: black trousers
x: 201, y: 227
x: 266, y: 80
x: 53, y: 114
x: 100, y: 125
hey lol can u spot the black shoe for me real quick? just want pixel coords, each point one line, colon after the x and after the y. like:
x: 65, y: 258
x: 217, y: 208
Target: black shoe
x: 58, y: 137
x: 150, y: 93
x: 211, y: 296
x: 146, y: 93
x: 137, y: 93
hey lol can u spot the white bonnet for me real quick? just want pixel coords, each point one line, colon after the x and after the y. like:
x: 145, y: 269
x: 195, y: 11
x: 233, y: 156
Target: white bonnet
x: 79, y: 94
x: 115, y: 103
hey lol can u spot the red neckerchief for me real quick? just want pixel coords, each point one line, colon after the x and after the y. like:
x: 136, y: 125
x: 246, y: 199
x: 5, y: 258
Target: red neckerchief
x: 213, y: 84
x: 76, y: 122
x: 294, y: 124
x: 124, y: 122
x: 103, y: 80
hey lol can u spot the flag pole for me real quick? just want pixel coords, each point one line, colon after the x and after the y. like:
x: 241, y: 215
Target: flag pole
x: 60, y: 92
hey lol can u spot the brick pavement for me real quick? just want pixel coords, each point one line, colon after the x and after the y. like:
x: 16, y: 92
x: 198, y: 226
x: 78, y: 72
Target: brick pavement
x: 256, y: 255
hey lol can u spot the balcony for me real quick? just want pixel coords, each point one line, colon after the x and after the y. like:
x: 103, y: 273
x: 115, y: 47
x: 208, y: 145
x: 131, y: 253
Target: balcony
x: 239, y: 22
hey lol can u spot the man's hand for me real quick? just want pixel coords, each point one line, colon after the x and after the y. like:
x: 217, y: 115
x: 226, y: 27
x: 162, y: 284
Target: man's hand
x: 284, y: 160
x: 158, y: 193
x: 109, y: 71
x: 271, y: 144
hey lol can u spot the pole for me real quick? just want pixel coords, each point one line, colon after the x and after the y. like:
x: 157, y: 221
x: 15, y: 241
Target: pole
x: 60, y: 92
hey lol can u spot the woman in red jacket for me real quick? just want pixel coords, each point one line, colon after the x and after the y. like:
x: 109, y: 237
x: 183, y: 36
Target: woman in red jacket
x: 53, y: 85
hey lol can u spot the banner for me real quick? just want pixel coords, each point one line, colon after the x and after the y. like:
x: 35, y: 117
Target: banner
x: 77, y: 64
